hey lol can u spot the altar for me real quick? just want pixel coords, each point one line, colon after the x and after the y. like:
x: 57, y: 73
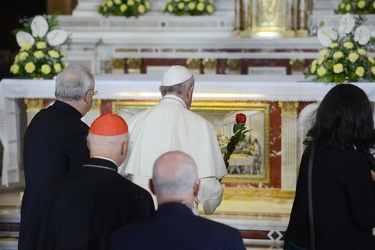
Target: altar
x: 285, y: 104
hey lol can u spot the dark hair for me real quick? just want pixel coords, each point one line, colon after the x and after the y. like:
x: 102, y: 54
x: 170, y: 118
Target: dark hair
x: 345, y: 117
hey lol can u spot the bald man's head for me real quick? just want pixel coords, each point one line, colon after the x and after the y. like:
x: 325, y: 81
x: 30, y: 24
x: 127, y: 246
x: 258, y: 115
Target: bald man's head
x: 175, y: 178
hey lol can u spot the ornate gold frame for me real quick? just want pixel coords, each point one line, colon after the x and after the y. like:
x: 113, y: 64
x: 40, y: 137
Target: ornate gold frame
x: 220, y: 106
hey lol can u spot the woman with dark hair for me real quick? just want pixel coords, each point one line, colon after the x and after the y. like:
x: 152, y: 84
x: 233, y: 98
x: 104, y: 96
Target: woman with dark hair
x: 342, y: 183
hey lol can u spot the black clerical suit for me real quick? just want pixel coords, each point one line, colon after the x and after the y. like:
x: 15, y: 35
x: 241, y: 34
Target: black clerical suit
x: 81, y: 209
x: 174, y: 226
x: 54, y: 144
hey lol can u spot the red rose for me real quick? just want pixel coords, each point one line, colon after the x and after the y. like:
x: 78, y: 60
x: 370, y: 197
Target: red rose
x: 240, y: 118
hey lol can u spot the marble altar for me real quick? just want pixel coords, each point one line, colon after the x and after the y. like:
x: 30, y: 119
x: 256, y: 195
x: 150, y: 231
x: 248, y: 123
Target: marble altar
x: 143, y: 87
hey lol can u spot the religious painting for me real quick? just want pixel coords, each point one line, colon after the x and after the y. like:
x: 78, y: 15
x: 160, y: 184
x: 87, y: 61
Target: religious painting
x: 250, y: 162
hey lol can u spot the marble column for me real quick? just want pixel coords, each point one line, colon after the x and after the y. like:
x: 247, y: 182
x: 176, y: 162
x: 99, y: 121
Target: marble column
x: 288, y: 145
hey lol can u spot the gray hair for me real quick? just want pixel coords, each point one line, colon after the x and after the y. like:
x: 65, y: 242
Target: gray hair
x: 180, y: 88
x: 73, y: 82
x: 174, y: 174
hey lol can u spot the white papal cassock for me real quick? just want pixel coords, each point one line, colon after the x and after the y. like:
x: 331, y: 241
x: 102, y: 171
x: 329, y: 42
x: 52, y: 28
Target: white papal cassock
x: 171, y: 126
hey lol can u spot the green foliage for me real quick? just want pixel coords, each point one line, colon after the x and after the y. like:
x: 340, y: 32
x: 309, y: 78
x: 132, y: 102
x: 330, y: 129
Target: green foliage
x: 127, y: 8
x: 189, y: 7
x: 355, y: 6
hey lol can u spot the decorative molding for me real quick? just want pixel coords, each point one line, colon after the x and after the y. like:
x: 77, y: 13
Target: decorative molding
x: 234, y: 66
x: 288, y: 108
x: 134, y: 65
x: 194, y: 65
x: 34, y: 104
x: 297, y: 66
x: 209, y: 65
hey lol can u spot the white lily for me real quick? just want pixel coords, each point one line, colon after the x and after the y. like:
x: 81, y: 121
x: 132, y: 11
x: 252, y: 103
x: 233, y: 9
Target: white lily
x: 39, y: 26
x: 326, y: 36
x: 23, y: 37
x: 362, y: 35
x: 57, y: 37
x: 347, y: 23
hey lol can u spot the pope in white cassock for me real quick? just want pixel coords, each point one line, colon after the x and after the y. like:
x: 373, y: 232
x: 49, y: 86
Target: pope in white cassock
x: 170, y: 125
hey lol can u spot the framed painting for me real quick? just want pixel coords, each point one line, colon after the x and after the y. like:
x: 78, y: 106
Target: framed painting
x: 250, y: 162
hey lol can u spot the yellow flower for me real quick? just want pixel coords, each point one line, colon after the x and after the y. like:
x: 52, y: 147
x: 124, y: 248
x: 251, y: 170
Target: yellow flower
x: 38, y: 54
x: 321, y: 71
x: 373, y: 70
x: 23, y: 55
x: 314, y: 62
x: 338, y: 55
x: 353, y: 57
x: 191, y: 6
x: 130, y: 2
x: 348, y: 45
x: 362, y: 52
x: 26, y: 47
x: 334, y: 45
x: 361, y: 4
x: 123, y: 7
x: 323, y: 52
x: 57, y: 67
x: 342, y: 6
x: 373, y: 5
x: 109, y: 4
x: 170, y: 8
x: 371, y: 59
x: 117, y: 2
x: 53, y: 54
x: 46, y: 69
x: 321, y: 60
x: 147, y: 4
x: 338, y: 68
x: 313, y: 69
x: 15, y: 68
x: 41, y: 45
x: 360, y: 71
x: 348, y: 7
x: 200, y: 6
x: 210, y: 8
x: 141, y: 9
x: 181, y: 6
x: 30, y: 67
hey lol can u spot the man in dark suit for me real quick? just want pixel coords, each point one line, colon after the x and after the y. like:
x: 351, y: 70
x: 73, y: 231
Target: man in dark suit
x: 55, y: 140
x: 175, y: 183
x: 81, y: 209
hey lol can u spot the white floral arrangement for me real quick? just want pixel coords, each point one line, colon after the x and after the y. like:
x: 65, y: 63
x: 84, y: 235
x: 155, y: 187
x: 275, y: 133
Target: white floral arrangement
x: 40, y: 44
x: 355, y: 6
x: 345, y: 57
x: 127, y: 8
x: 189, y: 7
